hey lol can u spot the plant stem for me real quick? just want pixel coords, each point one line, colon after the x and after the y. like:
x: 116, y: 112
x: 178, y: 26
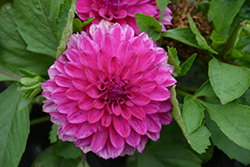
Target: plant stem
x: 231, y: 39
x: 186, y: 89
x: 39, y: 120
x: 182, y: 93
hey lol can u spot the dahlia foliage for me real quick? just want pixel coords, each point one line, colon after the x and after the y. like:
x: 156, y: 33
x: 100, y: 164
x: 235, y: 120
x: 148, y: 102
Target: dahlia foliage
x: 121, y: 11
x: 108, y: 92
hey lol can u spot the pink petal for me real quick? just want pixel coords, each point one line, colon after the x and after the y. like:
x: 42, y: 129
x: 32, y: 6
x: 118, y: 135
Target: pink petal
x: 138, y: 112
x: 78, y: 116
x: 165, y: 106
x: 142, y: 144
x: 86, y: 43
x: 114, y: 152
x: 129, y: 32
x: 59, y: 64
x: 153, y: 123
x: 106, y: 119
x: 125, y: 112
x: 102, y: 60
x: 52, y: 72
x: 133, y: 139
x: 80, y: 84
x: 147, y: 86
x: 137, y: 44
x: 133, y: 63
x: 165, y: 118
x: 160, y: 93
x: 92, y: 75
x: 124, y: 72
x: 124, y: 48
x: 93, y: 91
x: 106, y: 14
x: 63, y: 80
x: 74, y: 94
x: 66, y: 107
x: 69, y: 129
x: 49, y: 106
x: 99, y: 140
x: 121, y: 126
x: 84, y: 130
x: 95, y: 115
x: 116, y: 140
x: 113, y: 66
x: 72, y: 55
x: 134, y: 78
x: 117, y: 32
x: 153, y: 136
x: 86, y: 103
x: 141, y: 99
x: 116, y: 108
x: 138, y: 125
x: 88, y: 59
x: 99, y: 103
x: 83, y: 142
x: 108, y: 43
x: 151, y: 108
x: 121, y: 13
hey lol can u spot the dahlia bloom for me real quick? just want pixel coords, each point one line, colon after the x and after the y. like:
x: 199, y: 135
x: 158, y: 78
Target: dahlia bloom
x: 121, y: 11
x: 108, y: 91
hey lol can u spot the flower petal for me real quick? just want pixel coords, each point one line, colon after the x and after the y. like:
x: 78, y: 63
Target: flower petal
x: 95, y: 115
x: 153, y: 123
x: 116, y: 140
x: 160, y: 93
x: 121, y: 126
x: 141, y: 99
x: 78, y: 116
x: 133, y: 139
x: 86, y: 103
x: 138, y: 112
x: 74, y: 94
x: 84, y: 130
x: 106, y: 119
x: 93, y: 91
x: 138, y: 125
x: 99, y: 140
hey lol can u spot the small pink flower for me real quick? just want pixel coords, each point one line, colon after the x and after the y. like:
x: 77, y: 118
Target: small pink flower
x: 121, y: 11
x: 109, y: 92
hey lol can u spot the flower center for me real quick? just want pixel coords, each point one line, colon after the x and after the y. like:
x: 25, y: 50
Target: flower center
x: 111, y: 5
x: 115, y: 89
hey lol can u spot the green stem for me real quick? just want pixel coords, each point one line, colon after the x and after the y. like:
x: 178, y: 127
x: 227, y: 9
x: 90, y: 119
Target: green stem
x: 186, y: 89
x: 39, y: 120
x: 182, y: 93
x: 231, y: 39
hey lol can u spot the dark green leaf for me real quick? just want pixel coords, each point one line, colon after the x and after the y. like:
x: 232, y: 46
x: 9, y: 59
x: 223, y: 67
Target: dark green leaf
x: 220, y: 140
x: 199, y: 38
x: 245, y: 98
x: 171, y: 150
x: 229, y: 82
x: 53, y: 133
x: 205, y: 90
x: 187, y: 65
x: 67, y: 150
x: 14, y: 127
x: 149, y: 25
x: 184, y: 35
x: 64, y: 24
x: 223, y: 12
x: 13, y: 53
x: 49, y: 158
x: 199, y: 139
x: 162, y: 4
x: 174, y: 60
x: 87, y: 21
x: 233, y: 120
x: 192, y: 114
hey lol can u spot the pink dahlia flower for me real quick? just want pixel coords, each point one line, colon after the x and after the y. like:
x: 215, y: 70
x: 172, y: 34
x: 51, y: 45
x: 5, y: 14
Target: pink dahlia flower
x: 121, y: 11
x: 109, y: 91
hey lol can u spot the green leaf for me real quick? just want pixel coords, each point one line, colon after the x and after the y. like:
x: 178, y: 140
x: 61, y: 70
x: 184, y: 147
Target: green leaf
x: 187, y: 65
x: 199, y: 143
x: 245, y: 98
x: 162, y: 4
x: 49, y: 158
x: 149, y: 25
x: 199, y: 38
x: 64, y: 24
x: 171, y: 150
x: 223, y: 12
x: 192, y: 114
x: 67, y: 150
x: 229, y: 82
x: 220, y: 140
x: 36, y: 22
x: 174, y: 60
x: 14, y: 127
x: 87, y: 21
x: 205, y: 90
x: 218, y: 41
x: 13, y: 53
x: 7, y: 76
x: 233, y: 120
x: 184, y: 35
x: 53, y: 133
